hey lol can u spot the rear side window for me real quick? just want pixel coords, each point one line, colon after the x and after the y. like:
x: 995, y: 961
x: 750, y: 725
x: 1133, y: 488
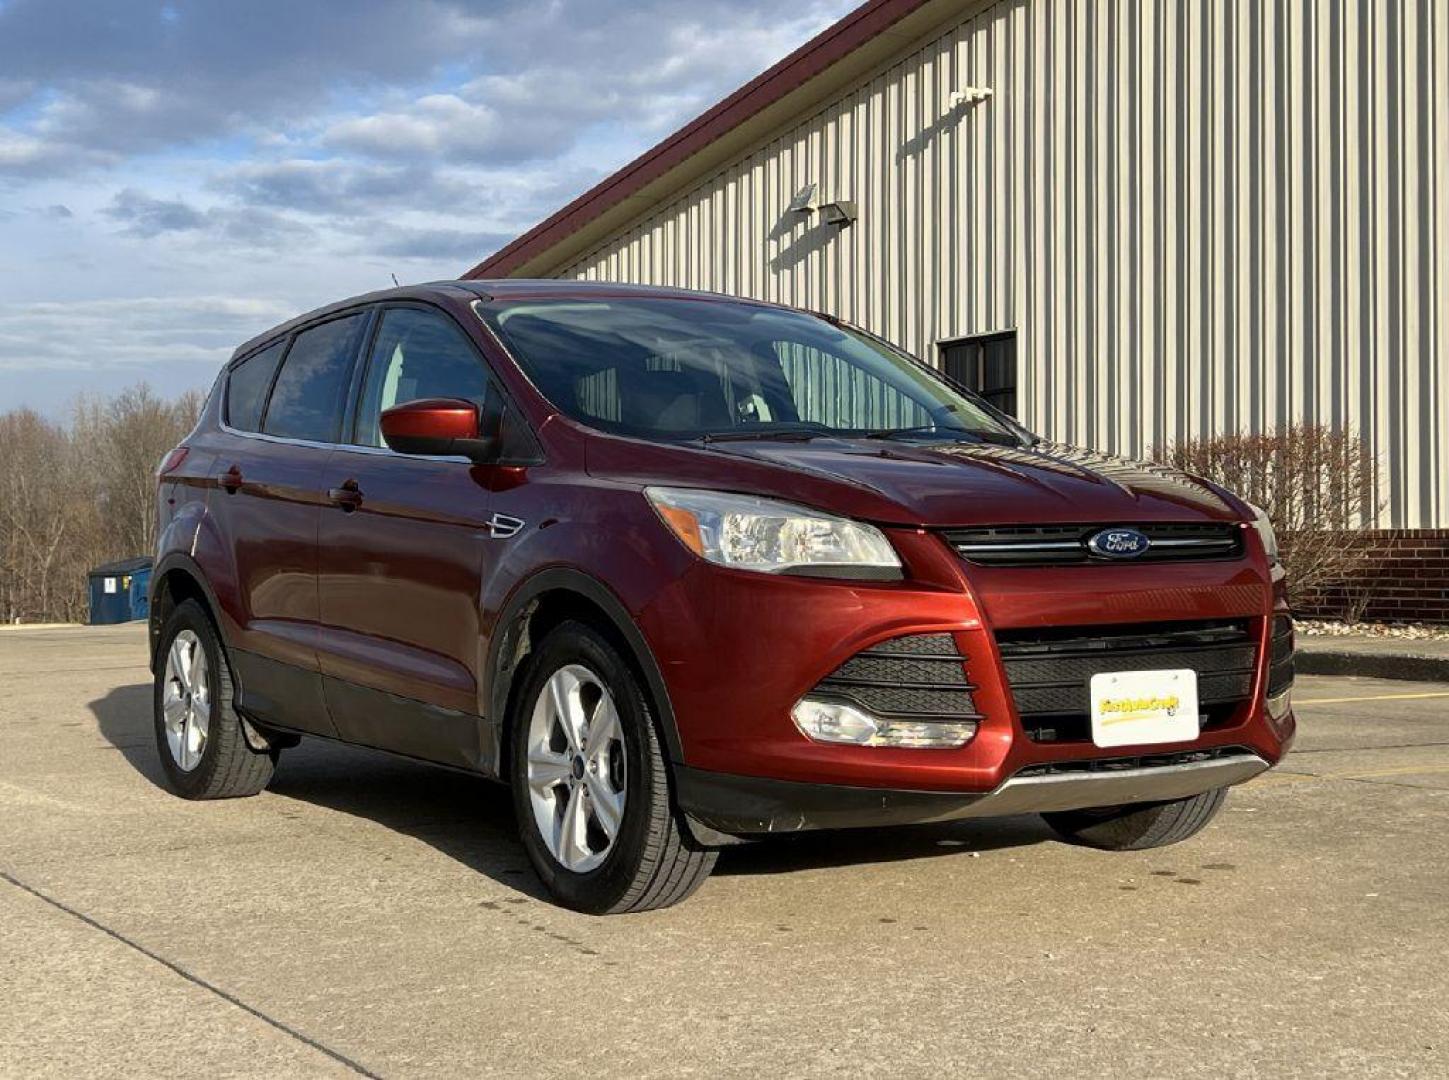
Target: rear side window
x: 307, y: 399
x: 418, y: 354
x: 246, y: 388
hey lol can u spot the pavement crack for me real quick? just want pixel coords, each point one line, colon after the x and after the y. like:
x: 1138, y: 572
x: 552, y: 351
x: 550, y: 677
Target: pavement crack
x: 195, y: 980
x: 1371, y: 780
x: 1361, y: 749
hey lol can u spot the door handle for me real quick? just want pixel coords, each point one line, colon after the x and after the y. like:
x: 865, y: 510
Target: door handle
x: 348, y: 496
x: 231, y: 480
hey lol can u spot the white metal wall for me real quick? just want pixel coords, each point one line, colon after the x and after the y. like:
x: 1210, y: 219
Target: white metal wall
x: 1200, y: 216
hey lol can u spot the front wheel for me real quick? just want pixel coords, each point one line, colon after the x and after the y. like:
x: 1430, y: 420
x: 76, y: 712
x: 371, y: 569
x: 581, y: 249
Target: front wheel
x: 203, y: 747
x: 1141, y: 826
x: 591, y: 788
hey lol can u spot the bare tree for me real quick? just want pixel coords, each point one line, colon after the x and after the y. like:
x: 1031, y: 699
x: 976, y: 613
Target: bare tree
x: 1316, y: 484
x: 128, y: 436
x: 44, y: 525
x: 72, y: 497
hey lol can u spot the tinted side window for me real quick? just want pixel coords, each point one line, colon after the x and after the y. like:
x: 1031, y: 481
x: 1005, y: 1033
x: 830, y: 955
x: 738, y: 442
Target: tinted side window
x: 418, y: 354
x: 307, y: 399
x: 246, y: 388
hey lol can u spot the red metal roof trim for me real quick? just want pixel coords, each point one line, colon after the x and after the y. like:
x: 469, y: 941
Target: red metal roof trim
x: 820, y: 52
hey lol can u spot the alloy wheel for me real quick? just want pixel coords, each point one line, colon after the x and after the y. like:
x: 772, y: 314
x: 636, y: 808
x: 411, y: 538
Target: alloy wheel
x: 576, y: 768
x: 186, y: 700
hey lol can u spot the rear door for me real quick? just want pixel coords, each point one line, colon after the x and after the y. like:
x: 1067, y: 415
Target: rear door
x: 282, y: 421
x: 401, y: 552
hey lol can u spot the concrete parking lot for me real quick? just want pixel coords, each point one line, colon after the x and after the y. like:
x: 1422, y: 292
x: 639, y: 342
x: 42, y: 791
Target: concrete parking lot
x: 368, y: 915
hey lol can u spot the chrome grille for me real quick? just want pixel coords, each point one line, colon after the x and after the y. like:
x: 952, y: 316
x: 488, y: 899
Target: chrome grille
x: 1066, y: 545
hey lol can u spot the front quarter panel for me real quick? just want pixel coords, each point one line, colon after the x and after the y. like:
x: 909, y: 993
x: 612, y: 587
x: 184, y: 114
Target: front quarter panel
x: 603, y: 535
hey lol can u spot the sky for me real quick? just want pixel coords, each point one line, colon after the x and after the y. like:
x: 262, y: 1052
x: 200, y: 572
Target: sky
x: 176, y: 177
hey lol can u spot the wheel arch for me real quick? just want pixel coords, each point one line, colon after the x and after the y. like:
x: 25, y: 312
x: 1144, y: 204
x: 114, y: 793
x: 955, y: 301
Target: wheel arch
x: 544, y: 601
x: 175, y: 579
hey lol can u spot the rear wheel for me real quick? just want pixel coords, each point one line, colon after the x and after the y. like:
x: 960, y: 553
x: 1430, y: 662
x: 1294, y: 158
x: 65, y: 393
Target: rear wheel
x: 203, y: 746
x: 590, y: 784
x: 1141, y: 826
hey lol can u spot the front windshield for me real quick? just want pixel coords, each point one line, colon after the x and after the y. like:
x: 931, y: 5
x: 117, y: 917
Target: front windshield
x: 678, y: 368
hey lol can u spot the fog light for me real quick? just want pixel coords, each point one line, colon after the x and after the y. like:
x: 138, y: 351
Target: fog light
x: 836, y: 722
x: 1280, y: 704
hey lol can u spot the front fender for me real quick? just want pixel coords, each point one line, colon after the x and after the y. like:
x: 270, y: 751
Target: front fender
x: 498, y: 672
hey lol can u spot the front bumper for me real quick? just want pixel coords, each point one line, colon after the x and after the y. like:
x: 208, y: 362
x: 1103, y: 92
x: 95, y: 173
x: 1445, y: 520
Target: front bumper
x: 746, y: 806
x: 738, y: 650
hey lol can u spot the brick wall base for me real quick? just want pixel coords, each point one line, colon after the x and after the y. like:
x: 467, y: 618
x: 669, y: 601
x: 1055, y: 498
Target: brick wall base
x: 1406, y: 580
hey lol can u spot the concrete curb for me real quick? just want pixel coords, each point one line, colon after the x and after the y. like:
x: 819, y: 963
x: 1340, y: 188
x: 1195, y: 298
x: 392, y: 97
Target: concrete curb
x: 1403, y: 666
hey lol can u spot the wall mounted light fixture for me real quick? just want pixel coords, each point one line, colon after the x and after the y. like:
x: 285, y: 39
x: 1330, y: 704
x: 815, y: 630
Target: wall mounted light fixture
x: 969, y: 95
x: 839, y: 213
x: 803, y: 202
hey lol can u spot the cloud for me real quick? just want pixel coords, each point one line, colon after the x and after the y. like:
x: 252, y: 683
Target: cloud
x: 570, y: 66
x: 105, y: 82
x: 82, y: 334
x: 456, y: 245
x: 146, y: 217
x: 121, y: 78
x: 25, y: 155
x: 14, y: 92
x: 301, y: 152
x: 446, y: 127
x: 343, y: 189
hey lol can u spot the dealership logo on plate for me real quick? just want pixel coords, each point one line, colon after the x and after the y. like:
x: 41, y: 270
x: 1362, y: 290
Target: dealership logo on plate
x: 1118, y: 543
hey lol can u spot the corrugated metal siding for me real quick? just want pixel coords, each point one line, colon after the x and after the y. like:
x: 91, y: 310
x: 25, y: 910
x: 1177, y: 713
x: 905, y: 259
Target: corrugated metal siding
x: 1200, y: 217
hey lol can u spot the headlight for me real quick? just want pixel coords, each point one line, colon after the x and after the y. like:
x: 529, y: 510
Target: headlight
x: 747, y: 533
x: 1265, y: 532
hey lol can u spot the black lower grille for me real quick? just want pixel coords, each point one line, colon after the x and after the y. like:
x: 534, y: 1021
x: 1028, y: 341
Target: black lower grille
x: 1050, y: 670
x: 1066, y: 545
x: 1280, y: 661
x: 920, y: 677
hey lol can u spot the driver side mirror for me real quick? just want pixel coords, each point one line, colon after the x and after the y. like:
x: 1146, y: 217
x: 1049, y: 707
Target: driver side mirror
x: 442, y: 427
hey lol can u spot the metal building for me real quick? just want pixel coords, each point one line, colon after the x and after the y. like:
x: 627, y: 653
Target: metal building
x: 1131, y: 221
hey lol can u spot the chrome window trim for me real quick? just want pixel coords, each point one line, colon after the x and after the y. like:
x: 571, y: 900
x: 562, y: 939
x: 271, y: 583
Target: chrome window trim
x: 355, y: 448
x: 310, y: 444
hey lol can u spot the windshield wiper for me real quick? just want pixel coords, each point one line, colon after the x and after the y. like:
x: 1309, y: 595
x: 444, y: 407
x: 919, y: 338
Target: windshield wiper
x: 919, y: 429
x: 997, y: 438
x: 783, y: 433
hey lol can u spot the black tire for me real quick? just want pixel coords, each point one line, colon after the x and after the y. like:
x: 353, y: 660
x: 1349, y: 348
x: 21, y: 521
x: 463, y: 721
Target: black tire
x: 228, y: 767
x: 1144, y: 825
x: 654, y: 862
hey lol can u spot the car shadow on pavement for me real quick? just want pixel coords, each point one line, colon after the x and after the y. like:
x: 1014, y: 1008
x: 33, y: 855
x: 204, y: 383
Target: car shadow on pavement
x: 124, y: 718
x: 471, y: 819
x: 818, y: 850
x: 467, y: 818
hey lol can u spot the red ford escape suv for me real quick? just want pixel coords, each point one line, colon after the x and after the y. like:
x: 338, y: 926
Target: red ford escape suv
x: 684, y: 569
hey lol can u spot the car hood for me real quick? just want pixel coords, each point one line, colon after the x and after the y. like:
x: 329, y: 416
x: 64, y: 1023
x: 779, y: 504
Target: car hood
x: 969, y: 484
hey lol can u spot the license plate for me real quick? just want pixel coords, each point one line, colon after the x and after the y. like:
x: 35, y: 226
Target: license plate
x: 1135, y: 708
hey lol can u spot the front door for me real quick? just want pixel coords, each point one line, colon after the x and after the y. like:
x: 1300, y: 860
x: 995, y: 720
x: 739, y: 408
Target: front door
x: 401, y: 549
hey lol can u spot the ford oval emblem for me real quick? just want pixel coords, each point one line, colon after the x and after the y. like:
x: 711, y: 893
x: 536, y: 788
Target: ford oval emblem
x: 1118, y: 543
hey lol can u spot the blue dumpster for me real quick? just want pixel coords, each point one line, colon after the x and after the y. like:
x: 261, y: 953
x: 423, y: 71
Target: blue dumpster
x: 141, y: 592
x: 118, y: 591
